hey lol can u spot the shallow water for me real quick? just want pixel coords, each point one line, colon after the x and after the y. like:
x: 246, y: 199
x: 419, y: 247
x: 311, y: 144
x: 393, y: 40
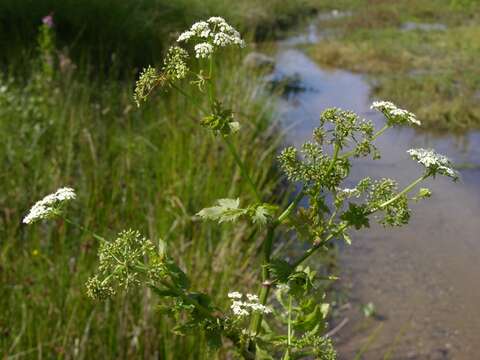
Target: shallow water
x: 422, y: 278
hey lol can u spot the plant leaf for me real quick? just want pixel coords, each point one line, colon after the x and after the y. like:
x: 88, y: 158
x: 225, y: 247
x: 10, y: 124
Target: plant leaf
x: 224, y: 210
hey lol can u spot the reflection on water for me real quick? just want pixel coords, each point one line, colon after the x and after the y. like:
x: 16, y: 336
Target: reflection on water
x: 422, y: 278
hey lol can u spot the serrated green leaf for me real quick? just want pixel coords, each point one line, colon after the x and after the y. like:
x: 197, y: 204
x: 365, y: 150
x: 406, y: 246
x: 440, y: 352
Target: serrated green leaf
x: 280, y: 269
x: 214, y: 338
x: 225, y: 210
x: 263, y: 213
x: 177, y: 275
x: 356, y: 215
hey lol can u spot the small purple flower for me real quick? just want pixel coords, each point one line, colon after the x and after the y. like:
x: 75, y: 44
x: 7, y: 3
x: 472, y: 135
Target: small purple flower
x: 48, y: 20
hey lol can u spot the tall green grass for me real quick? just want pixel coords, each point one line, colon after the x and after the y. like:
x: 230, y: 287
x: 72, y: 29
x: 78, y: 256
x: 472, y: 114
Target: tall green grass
x: 136, y: 31
x: 149, y: 169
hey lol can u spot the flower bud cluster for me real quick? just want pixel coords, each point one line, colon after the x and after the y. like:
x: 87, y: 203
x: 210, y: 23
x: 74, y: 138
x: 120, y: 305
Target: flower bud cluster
x: 121, y: 264
x: 175, y: 63
x: 149, y: 79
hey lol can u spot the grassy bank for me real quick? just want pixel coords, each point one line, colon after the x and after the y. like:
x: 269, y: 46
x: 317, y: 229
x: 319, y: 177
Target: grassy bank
x: 429, y: 69
x: 150, y: 170
x: 132, y: 32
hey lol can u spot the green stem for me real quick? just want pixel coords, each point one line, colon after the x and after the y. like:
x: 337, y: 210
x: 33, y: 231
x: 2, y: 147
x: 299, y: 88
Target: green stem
x: 242, y: 167
x: 291, y: 207
x: 289, y: 339
x: 189, y: 97
x: 267, y: 252
x: 256, y: 321
x: 403, y: 192
x: 211, y: 86
x: 336, y: 150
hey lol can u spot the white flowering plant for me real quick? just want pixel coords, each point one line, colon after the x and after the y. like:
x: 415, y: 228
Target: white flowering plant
x: 293, y: 323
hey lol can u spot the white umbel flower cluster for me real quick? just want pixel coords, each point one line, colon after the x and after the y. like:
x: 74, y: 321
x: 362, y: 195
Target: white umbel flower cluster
x: 49, y: 205
x: 244, y: 308
x: 433, y: 162
x: 395, y: 115
x: 213, y: 33
x: 203, y: 50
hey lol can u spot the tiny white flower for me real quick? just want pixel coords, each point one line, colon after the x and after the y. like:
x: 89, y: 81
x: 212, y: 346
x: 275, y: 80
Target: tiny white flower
x: 185, y: 36
x: 203, y: 50
x: 216, y: 20
x: 435, y: 163
x: 256, y: 306
x: 65, y: 193
x: 394, y: 114
x: 49, y: 205
x: 234, y: 295
x: 222, y: 39
x: 216, y: 32
x: 200, y: 27
x: 238, y: 309
x: 243, y: 308
x: 349, y: 192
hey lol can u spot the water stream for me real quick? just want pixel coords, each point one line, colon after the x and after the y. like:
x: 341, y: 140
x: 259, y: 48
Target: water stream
x: 422, y: 278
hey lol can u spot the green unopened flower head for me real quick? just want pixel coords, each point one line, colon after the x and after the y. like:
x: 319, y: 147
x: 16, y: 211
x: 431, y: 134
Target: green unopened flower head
x: 175, y: 63
x: 99, y: 290
x: 149, y: 79
x: 122, y: 263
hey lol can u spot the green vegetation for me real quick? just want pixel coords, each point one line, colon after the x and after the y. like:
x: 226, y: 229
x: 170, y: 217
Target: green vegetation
x: 131, y: 32
x: 433, y: 72
x: 150, y: 169
x: 67, y: 118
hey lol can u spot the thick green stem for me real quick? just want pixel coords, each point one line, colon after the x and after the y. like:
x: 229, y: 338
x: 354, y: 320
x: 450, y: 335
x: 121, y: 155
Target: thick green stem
x: 256, y: 321
x: 336, y: 150
x: 267, y: 252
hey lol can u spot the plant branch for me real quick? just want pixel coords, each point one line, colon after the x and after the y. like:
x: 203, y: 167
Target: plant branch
x: 242, y: 167
x: 403, y: 192
x: 300, y: 195
x: 342, y: 227
x: 83, y: 228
